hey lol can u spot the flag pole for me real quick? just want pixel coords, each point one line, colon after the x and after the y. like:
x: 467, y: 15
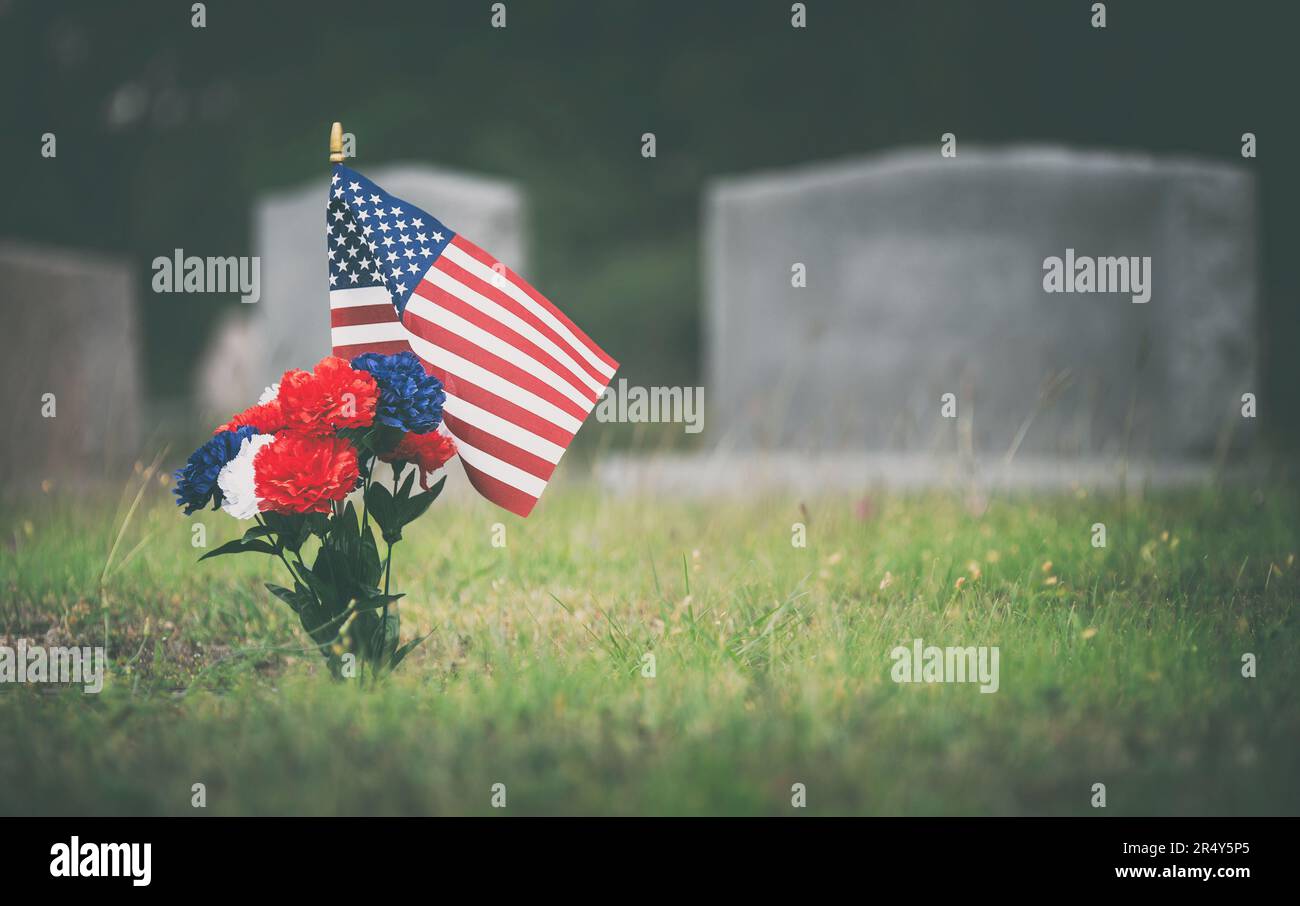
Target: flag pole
x: 336, y: 143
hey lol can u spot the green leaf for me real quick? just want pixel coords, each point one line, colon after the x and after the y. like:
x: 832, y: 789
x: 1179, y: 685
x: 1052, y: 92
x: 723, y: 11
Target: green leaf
x: 361, y: 631
x: 321, y: 626
x: 330, y: 581
x: 373, y: 440
x: 373, y: 599
x: 345, y: 541
x: 371, y: 568
x: 318, y: 524
x: 400, y: 654
x: 413, y: 508
x: 384, y: 640
x: 257, y: 531
x: 346, y: 529
x: 379, y: 502
x: 404, y: 491
x: 240, y: 546
x: 292, y: 529
x: 299, y: 598
x: 352, y: 434
x: 372, y: 637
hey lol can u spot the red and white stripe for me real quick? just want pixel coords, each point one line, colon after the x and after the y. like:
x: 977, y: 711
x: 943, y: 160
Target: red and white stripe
x: 520, y: 376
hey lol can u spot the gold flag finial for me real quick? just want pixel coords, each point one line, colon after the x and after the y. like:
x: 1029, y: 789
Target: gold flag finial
x: 336, y: 143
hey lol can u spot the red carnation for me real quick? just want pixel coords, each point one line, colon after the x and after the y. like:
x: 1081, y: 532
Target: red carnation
x: 267, y: 418
x: 300, y: 473
x: 333, y: 396
x: 429, y: 452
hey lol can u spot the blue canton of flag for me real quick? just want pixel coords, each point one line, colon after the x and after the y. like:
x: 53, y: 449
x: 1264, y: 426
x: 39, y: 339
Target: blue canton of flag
x: 375, y: 239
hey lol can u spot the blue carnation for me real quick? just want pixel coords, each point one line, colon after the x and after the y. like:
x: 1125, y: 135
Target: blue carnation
x: 409, y: 397
x: 196, y: 484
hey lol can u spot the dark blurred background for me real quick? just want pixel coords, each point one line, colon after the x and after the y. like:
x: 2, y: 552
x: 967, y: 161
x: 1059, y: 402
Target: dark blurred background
x: 167, y: 134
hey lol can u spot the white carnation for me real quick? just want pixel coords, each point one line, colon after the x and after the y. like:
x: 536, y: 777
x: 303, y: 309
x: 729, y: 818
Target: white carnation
x: 238, y: 487
x: 269, y: 394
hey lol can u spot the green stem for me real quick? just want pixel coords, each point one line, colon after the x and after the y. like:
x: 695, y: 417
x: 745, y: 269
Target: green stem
x: 365, y: 507
x: 388, y: 567
x: 365, y: 524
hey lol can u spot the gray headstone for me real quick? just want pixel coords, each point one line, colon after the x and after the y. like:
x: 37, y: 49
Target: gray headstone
x: 228, y: 374
x: 291, y: 321
x: 925, y: 277
x: 71, y: 330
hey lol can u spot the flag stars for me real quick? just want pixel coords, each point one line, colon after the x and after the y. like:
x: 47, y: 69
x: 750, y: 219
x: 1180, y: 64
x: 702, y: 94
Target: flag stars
x: 392, y: 249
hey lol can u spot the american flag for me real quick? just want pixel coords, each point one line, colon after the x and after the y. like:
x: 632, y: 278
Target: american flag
x: 520, y: 376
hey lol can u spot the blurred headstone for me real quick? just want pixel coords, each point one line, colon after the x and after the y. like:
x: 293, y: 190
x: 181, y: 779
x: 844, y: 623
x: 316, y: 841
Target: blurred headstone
x: 71, y: 373
x: 292, y: 319
x: 925, y: 276
x: 235, y: 352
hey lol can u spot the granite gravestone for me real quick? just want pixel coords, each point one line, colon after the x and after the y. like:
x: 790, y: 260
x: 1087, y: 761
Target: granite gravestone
x: 926, y: 276
x: 72, y: 372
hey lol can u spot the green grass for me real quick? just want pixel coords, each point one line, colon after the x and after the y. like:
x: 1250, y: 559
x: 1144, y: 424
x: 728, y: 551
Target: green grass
x: 1119, y: 665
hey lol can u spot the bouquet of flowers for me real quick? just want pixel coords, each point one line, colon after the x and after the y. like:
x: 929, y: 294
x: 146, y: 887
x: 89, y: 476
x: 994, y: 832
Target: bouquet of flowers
x: 292, y: 461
